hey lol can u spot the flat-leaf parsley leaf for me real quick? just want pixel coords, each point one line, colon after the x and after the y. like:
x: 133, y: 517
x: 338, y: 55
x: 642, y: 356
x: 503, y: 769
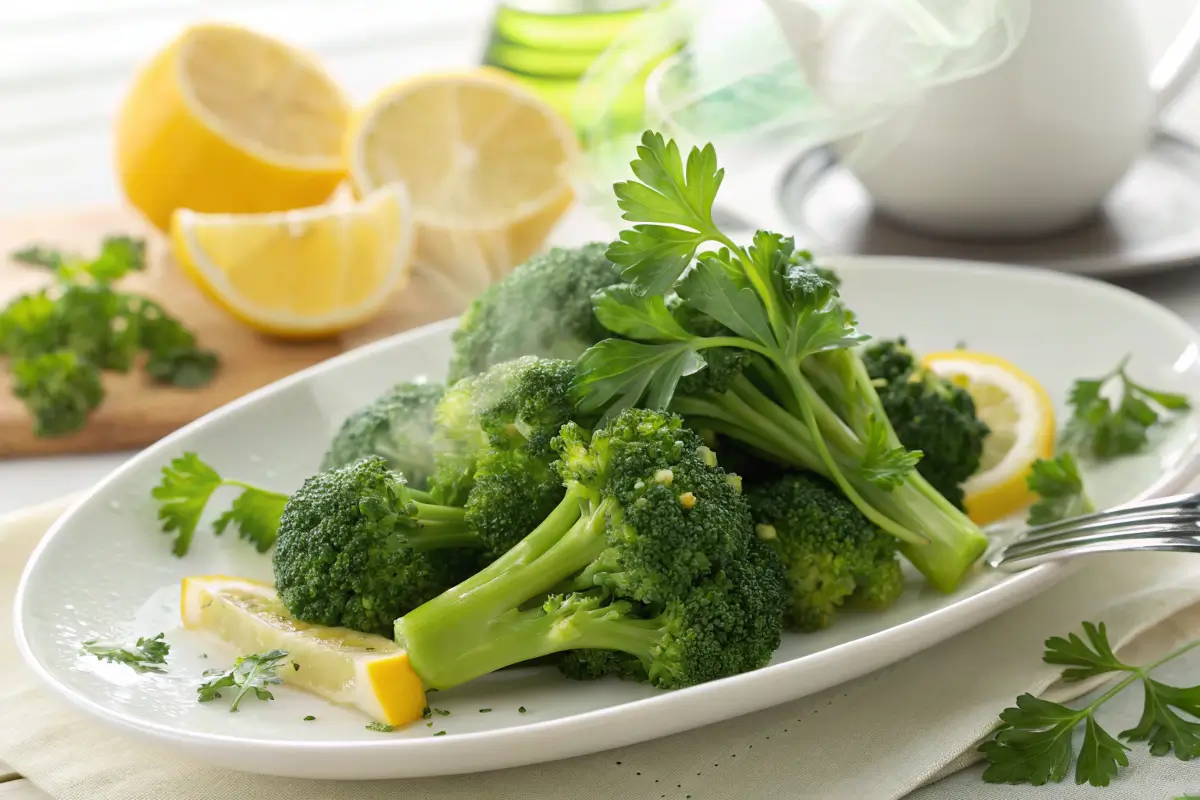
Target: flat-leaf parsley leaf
x: 1034, y: 744
x: 250, y: 674
x: 145, y: 656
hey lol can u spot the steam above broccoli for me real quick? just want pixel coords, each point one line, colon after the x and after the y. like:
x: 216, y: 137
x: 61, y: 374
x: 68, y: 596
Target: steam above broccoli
x: 398, y: 425
x: 542, y: 308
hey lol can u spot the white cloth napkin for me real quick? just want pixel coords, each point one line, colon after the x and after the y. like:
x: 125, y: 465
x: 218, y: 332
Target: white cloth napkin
x: 881, y: 737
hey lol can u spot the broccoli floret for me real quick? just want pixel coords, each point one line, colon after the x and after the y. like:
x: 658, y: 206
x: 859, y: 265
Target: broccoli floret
x: 542, y: 308
x: 833, y: 554
x: 726, y: 625
x: 59, y: 389
x: 398, y: 426
x: 493, y: 443
x: 356, y: 548
x: 654, y: 546
x: 930, y: 414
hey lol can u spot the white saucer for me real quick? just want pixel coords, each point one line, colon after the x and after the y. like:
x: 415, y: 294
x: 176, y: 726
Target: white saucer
x: 1150, y: 223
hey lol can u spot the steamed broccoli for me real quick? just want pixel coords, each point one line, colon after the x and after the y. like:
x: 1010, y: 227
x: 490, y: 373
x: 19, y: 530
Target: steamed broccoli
x: 357, y: 548
x: 492, y: 437
x: 542, y: 308
x: 833, y: 554
x: 398, y: 425
x: 929, y: 414
x: 492, y: 482
x: 650, y: 554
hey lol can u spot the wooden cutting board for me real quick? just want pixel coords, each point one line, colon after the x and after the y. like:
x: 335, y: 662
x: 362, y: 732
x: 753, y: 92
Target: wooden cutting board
x: 136, y: 412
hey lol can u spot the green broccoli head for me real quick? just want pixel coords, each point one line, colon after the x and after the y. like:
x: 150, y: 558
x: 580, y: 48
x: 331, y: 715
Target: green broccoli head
x: 60, y: 390
x: 727, y: 623
x: 542, y: 308
x: 671, y: 513
x: 929, y: 414
x: 493, y: 442
x: 398, y: 426
x: 355, y: 550
x: 833, y: 554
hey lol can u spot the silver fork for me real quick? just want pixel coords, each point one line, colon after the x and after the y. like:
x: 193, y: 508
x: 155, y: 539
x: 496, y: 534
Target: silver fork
x: 1166, y: 524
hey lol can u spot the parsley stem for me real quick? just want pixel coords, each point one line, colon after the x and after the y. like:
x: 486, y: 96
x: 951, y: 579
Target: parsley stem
x: 1118, y: 687
x: 804, y: 394
x: 1170, y: 656
x: 736, y: 342
x: 1135, y: 674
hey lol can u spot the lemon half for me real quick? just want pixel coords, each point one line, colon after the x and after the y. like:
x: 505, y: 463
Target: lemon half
x: 368, y: 672
x: 227, y: 120
x: 304, y: 273
x: 1021, y: 417
x: 487, y: 164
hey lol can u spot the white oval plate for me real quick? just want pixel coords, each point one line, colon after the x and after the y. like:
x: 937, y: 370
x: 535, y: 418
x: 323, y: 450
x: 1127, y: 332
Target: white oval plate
x: 104, y: 570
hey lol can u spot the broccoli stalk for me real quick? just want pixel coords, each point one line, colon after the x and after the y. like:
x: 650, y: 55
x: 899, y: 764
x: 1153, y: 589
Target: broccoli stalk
x: 813, y: 405
x: 659, y: 540
x: 934, y: 535
x: 475, y: 628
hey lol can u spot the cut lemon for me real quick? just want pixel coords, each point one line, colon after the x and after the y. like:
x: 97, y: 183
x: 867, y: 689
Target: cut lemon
x: 304, y: 273
x: 227, y: 120
x: 1021, y: 417
x: 368, y: 672
x: 487, y: 164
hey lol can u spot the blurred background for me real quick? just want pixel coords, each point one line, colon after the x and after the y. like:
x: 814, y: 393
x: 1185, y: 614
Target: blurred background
x: 65, y: 64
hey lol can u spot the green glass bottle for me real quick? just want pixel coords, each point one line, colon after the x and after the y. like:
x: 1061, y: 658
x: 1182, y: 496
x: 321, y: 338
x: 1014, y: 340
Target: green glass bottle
x: 549, y: 44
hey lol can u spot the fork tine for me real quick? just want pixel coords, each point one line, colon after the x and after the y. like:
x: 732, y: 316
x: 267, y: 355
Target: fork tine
x: 1177, y: 544
x: 1177, y: 502
x: 1101, y: 522
x: 1023, y: 548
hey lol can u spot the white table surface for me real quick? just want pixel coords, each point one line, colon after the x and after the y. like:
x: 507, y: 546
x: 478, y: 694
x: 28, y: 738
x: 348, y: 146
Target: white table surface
x: 65, y: 63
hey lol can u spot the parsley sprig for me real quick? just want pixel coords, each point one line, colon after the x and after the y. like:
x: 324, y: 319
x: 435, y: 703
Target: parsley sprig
x: 187, y: 486
x: 59, y: 339
x: 1106, y: 428
x: 1035, y: 742
x: 770, y: 302
x: 1060, y: 490
x: 145, y: 656
x: 249, y: 674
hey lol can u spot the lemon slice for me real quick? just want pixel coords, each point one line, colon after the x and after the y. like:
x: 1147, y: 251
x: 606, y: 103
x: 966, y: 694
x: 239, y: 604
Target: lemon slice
x: 304, y: 273
x: 487, y: 164
x: 368, y: 672
x: 227, y: 120
x: 1021, y: 417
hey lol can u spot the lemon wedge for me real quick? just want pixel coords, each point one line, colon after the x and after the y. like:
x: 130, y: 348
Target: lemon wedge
x: 487, y: 164
x: 227, y: 120
x: 305, y: 273
x: 368, y: 672
x: 1021, y: 417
